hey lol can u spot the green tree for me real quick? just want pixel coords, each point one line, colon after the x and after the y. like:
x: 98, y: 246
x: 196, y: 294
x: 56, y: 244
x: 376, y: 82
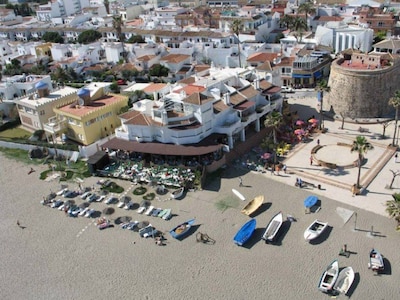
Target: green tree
x: 393, y: 209
x: 274, y: 120
x: 59, y: 75
x: 236, y: 27
x: 158, y: 70
x: 117, y: 25
x: 136, y: 39
x: 361, y: 146
x: 89, y: 36
x: 321, y: 88
x: 379, y: 36
x: 395, y: 102
x: 53, y: 37
x: 299, y: 25
x: 307, y: 8
x: 107, y: 6
x: 287, y: 21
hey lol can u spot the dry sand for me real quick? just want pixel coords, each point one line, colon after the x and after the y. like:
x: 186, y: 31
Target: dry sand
x: 57, y: 257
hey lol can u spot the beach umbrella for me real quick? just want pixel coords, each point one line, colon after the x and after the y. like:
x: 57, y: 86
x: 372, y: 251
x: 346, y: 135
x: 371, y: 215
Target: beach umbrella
x: 125, y: 199
x: 145, y: 203
x: 69, y: 202
x: 266, y: 155
x: 300, y: 122
x: 299, y: 132
x: 123, y: 219
x: 108, y: 211
x: 310, y: 201
x: 313, y: 121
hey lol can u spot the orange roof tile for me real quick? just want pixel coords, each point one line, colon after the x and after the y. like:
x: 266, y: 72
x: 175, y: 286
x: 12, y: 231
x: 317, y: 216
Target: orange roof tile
x: 154, y: 87
x: 191, y: 89
x: 175, y: 58
x: 262, y: 57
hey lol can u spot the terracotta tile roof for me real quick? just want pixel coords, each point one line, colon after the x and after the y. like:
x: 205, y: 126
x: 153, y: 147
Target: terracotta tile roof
x: 80, y: 111
x: 143, y: 120
x: 262, y: 57
x: 265, y: 84
x: 125, y: 66
x: 199, y: 68
x: 145, y: 57
x: 265, y: 66
x: 154, y: 87
x: 249, y: 92
x: 129, y: 114
x: 328, y: 18
x: 286, y: 61
x: 197, y: 99
x: 237, y: 98
x: 175, y: 58
x: 188, y: 80
x: 220, y: 106
x: 191, y: 89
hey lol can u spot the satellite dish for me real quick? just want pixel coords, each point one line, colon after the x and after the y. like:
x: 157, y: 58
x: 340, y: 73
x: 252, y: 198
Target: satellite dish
x: 81, y: 102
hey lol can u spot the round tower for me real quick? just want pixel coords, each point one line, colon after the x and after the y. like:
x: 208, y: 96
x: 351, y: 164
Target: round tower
x: 362, y: 85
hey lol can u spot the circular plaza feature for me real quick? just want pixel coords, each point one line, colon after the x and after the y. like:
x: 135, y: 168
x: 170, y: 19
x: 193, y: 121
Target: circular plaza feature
x: 333, y: 156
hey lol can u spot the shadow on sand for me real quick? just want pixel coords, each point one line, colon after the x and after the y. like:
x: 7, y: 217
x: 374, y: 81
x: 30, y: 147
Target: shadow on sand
x: 323, y: 237
x: 264, y: 207
x: 281, y: 234
x: 254, y: 239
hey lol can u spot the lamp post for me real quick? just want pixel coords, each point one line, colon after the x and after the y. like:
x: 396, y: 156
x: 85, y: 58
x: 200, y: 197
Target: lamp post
x: 320, y: 97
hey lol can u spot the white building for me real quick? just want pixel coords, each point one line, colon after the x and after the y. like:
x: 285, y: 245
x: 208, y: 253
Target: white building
x: 340, y: 36
x: 225, y: 102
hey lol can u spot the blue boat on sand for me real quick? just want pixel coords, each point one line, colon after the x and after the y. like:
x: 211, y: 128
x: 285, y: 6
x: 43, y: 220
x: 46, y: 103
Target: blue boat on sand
x: 245, y: 232
x: 179, y: 231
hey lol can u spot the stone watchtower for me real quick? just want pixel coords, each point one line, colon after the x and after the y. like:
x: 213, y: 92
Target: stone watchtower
x: 362, y: 84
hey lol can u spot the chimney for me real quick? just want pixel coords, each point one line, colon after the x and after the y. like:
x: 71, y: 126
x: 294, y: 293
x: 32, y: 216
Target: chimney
x: 227, y: 98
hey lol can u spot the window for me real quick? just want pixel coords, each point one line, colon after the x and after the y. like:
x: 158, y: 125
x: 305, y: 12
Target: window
x: 381, y: 24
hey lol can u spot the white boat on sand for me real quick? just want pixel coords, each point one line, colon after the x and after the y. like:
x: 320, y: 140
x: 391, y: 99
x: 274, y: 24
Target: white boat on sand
x: 376, y: 261
x: 314, y: 230
x: 344, y: 280
x: 273, y: 228
x: 329, y: 277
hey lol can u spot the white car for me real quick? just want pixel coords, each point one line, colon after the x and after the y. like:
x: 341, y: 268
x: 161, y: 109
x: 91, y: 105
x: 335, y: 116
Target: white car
x: 92, y: 198
x: 85, y: 195
x: 121, y: 204
x: 61, y: 192
x: 110, y: 200
x: 287, y: 89
x: 101, y: 198
x: 84, y: 211
x: 129, y: 205
x: 89, y: 213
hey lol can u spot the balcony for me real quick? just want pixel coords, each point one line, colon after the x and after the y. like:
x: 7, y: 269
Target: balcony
x: 55, y: 127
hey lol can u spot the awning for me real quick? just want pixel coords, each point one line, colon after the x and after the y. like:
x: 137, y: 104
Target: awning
x: 318, y: 74
x: 301, y: 76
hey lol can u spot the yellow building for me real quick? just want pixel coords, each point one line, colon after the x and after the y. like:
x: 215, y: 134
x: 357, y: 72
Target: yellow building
x: 43, y: 50
x: 92, y: 117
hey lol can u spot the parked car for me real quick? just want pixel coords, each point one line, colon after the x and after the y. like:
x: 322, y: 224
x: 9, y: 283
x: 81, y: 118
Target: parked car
x: 121, y: 82
x: 89, y: 213
x: 110, y: 200
x: 128, y: 205
x: 287, y: 89
x: 85, y: 195
x: 101, y: 198
x: 84, y: 211
x: 145, y: 230
x: 57, y: 203
x: 91, y: 198
x: 70, y: 194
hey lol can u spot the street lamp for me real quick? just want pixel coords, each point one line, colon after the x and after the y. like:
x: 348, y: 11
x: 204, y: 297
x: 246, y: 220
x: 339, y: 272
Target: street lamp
x: 320, y: 98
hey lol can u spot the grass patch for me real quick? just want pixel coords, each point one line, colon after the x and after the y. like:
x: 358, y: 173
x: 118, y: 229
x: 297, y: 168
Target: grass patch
x: 113, y: 188
x: 149, y: 196
x: 141, y: 190
x: 14, y: 133
x: 228, y: 202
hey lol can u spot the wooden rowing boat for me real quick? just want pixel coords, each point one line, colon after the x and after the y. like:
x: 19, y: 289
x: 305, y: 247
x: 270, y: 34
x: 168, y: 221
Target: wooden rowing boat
x: 253, y: 205
x: 182, y: 229
x: 273, y: 228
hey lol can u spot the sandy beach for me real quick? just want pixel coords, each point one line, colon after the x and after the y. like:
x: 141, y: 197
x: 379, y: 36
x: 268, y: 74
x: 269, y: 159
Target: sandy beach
x: 58, y: 257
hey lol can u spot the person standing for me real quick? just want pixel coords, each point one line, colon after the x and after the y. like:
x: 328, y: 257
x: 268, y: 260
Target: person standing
x: 311, y: 160
x: 240, y: 181
x: 395, y: 158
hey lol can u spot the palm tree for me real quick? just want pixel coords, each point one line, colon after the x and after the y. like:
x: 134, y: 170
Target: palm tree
x: 322, y: 86
x: 236, y: 27
x: 107, y: 6
x: 117, y: 25
x: 299, y: 25
x: 395, y: 102
x: 307, y: 8
x: 361, y: 146
x: 274, y: 120
x: 287, y: 21
x: 393, y: 209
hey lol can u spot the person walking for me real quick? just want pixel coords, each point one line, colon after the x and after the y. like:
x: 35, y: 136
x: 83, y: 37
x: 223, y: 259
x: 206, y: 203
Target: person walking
x: 311, y: 160
x: 395, y: 158
x: 284, y: 169
x: 240, y: 181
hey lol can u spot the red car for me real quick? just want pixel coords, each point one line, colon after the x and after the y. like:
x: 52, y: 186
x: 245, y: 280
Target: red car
x: 121, y: 82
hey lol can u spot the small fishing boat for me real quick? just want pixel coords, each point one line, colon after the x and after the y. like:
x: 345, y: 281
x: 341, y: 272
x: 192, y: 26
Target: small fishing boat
x: 344, y: 280
x: 314, y: 230
x: 245, y: 232
x: 182, y: 229
x: 329, y: 277
x: 178, y: 193
x: 376, y: 261
x: 238, y: 194
x: 253, y: 205
x: 273, y: 228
